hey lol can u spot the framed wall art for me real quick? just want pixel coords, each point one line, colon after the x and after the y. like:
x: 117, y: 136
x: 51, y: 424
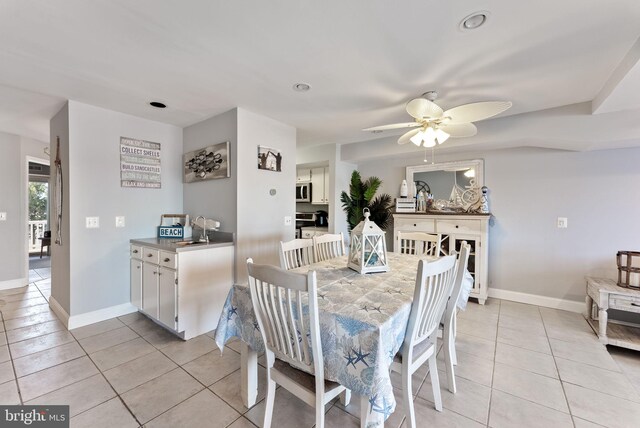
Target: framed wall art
x: 206, y: 164
x: 269, y: 159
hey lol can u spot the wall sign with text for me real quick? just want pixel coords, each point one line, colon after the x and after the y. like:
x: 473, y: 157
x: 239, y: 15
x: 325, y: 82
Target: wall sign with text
x: 139, y: 163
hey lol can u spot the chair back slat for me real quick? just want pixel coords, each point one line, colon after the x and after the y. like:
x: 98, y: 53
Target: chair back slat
x: 461, y: 268
x: 296, y: 253
x: 328, y: 246
x: 434, y: 284
x: 278, y: 300
x: 419, y: 243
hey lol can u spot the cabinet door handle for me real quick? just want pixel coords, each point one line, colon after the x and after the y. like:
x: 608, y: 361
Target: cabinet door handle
x: 154, y: 272
x: 159, y: 273
x: 457, y: 226
x: 135, y: 251
x: 415, y: 225
x: 167, y: 260
x: 137, y: 267
x: 635, y: 304
x: 149, y: 255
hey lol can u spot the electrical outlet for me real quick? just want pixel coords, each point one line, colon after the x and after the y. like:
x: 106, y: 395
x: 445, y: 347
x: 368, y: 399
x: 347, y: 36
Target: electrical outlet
x: 562, y: 223
x: 3, y: 216
x: 119, y: 221
x: 93, y: 222
x: 287, y: 220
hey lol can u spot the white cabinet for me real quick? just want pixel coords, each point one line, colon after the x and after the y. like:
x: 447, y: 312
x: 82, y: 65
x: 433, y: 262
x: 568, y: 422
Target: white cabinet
x: 303, y: 175
x: 320, y: 186
x: 310, y: 232
x: 182, y: 290
x: 454, y: 229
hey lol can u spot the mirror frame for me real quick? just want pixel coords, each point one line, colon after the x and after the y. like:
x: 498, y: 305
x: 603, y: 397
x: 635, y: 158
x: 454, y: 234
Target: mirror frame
x: 478, y: 164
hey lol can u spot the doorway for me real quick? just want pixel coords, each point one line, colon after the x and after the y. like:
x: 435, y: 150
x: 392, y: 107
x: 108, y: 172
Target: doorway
x: 39, y: 231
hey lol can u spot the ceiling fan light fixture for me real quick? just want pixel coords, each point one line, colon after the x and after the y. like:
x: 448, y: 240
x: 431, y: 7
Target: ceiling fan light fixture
x: 441, y: 136
x: 430, y: 142
x: 417, y: 139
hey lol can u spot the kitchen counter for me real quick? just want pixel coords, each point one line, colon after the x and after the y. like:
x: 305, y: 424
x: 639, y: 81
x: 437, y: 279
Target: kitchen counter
x: 216, y: 239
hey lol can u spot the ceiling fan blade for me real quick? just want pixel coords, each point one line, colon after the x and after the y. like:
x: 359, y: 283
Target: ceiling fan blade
x: 422, y: 108
x: 476, y: 111
x: 461, y: 130
x: 393, y: 126
x: 407, y: 136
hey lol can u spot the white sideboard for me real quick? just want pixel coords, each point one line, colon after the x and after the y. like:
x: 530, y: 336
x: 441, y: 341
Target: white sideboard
x: 183, y: 289
x: 454, y: 228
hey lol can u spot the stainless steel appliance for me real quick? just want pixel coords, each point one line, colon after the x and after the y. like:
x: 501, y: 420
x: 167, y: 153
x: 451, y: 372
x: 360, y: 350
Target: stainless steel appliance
x: 304, y: 220
x: 322, y: 218
x: 303, y: 192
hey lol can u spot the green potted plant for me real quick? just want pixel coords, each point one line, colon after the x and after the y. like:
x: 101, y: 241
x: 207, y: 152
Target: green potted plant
x: 362, y: 195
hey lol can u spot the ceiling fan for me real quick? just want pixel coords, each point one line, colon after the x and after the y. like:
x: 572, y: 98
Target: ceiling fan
x: 436, y: 126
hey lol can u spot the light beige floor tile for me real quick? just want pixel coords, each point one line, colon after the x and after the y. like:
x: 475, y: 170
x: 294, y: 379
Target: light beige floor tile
x: 183, y: 352
x: 161, y: 338
x: 394, y: 420
x: 160, y: 394
x: 416, y: 379
x: 234, y: 344
x: 228, y: 389
x: 581, y: 423
x: 605, y: 381
x: 212, y: 367
x: 30, y: 320
x: 475, y: 346
x: 44, y: 272
x: 288, y: 412
x: 25, y: 303
x: 513, y: 337
x: 107, y: 339
x: 29, y: 332
x: 21, y: 296
x: 80, y: 396
x: 136, y: 372
x: 6, y: 372
x: 198, y: 411
x: 470, y: 367
x: 45, y: 381
x: 485, y: 330
x: 338, y: 418
x: 9, y: 393
x: 518, y: 309
x: 3, y: 338
x: 629, y: 363
x: 111, y: 357
x: 48, y: 358
x: 470, y: 400
x: 598, y: 356
x: 601, y: 408
x: 129, y: 318
x: 144, y: 326
x: 18, y: 290
x: 4, y: 353
x: 573, y: 334
x: 428, y: 416
x: 1, y: 326
x: 530, y: 386
x: 525, y: 325
x: 508, y: 411
x: 97, y: 328
x: 37, y: 344
x: 25, y: 312
x: 107, y: 415
x: 532, y: 361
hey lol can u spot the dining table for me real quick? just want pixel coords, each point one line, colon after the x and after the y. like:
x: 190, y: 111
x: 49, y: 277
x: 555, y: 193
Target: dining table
x: 363, y: 320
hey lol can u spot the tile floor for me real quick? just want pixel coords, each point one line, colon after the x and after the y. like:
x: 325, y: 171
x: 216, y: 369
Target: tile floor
x: 519, y: 365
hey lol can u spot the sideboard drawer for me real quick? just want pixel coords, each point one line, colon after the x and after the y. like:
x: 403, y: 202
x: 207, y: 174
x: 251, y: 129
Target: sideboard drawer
x: 410, y: 225
x: 458, y: 226
x: 150, y: 255
x: 624, y: 303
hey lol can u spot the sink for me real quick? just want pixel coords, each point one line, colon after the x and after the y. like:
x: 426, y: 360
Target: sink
x: 185, y: 243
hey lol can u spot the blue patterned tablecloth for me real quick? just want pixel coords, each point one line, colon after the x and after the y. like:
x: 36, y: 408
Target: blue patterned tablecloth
x: 363, y: 319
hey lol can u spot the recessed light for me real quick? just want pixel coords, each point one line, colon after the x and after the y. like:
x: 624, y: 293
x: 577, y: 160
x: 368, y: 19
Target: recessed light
x: 473, y: 21
x: 301, y: 87
x: 157, y: 104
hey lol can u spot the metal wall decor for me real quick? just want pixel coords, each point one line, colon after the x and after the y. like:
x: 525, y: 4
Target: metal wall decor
x: 207, y: 163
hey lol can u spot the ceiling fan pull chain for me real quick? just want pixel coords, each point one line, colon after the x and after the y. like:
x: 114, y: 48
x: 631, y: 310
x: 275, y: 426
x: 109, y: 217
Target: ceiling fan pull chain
x: 433, y: 155
x: 425, y: 155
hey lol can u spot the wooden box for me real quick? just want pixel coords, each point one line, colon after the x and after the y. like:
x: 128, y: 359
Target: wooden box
x: 628, y: 269
x: 405, y: 205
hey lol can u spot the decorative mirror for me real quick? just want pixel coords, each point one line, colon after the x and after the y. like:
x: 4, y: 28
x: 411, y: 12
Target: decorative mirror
x: 449, y: 186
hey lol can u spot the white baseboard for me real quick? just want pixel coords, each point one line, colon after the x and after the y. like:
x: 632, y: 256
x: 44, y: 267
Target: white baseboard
x: 14, y: 283
x: 534, y: 299
x: 87, y: 318
x: 59, y: 311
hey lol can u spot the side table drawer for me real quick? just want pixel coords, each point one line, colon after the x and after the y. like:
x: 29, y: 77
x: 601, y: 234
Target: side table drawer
x: 624, y: 303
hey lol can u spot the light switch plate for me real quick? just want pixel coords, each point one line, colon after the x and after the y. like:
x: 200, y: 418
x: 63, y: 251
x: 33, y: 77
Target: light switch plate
x: 287, y: 220
x: 3, y: 216
x: 562, y: 223
x: 120, y: 221
x: 93, y: 222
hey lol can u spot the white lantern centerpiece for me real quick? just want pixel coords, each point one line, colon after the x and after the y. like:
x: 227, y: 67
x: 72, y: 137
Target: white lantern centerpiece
x: 368, y: 248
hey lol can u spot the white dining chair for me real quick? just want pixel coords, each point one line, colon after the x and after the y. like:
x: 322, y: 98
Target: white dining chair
x: 449, y: 319
x: 296, y: 253
x: 434, y: 284
x: 419, y: 243
x: 294, y: 360
x: 328, y: 246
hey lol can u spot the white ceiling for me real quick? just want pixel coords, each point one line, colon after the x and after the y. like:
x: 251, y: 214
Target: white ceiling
x: 363, y: 58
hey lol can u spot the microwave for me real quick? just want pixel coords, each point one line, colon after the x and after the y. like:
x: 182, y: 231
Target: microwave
x: 303, y: 192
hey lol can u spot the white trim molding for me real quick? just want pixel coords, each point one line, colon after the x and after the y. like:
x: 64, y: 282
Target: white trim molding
x: 535, y: 299
x: 14, y: 283
x: 76, y: 321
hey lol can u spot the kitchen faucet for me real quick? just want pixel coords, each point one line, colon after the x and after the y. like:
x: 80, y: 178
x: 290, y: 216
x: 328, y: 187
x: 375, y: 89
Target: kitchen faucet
x: 204, y: 237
